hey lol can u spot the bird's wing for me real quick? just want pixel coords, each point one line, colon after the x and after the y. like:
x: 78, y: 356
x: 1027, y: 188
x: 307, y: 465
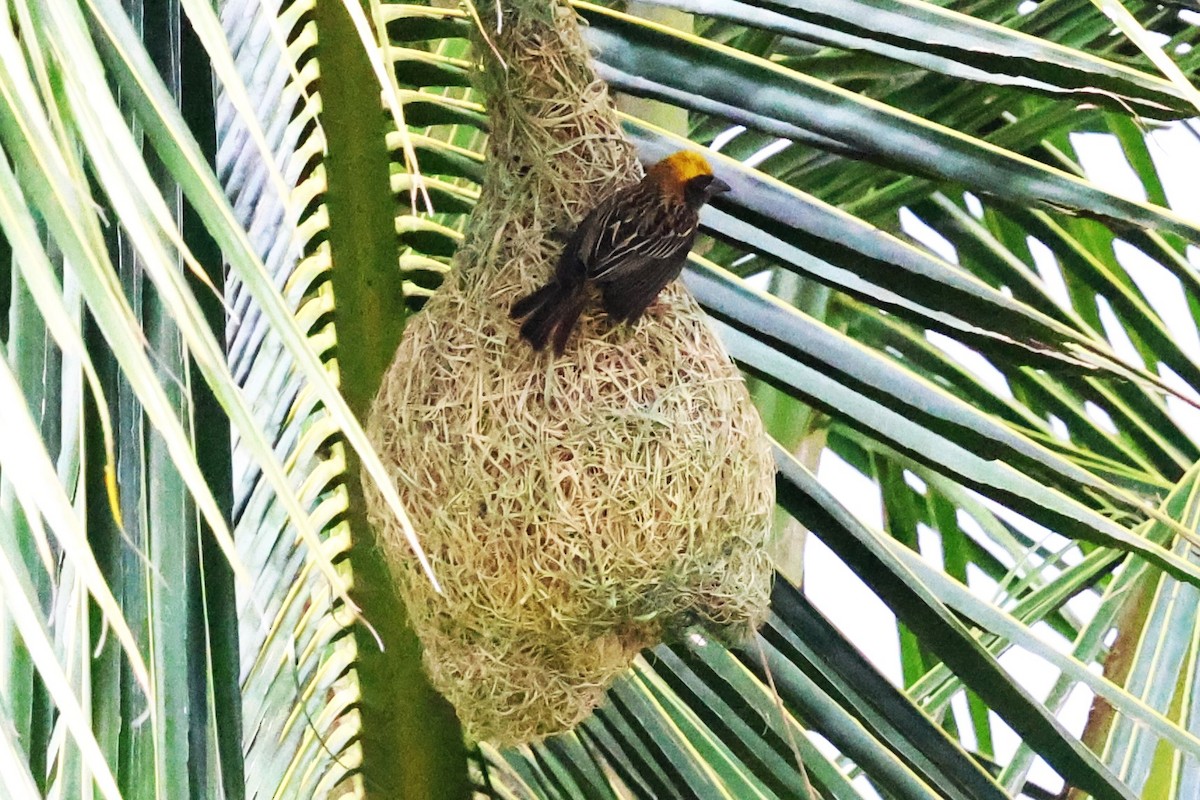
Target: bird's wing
x: 627, y: 236
x: 626, y: 299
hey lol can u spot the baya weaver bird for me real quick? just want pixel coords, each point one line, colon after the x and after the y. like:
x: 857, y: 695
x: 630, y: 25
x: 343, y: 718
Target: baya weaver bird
x: 631, y: 245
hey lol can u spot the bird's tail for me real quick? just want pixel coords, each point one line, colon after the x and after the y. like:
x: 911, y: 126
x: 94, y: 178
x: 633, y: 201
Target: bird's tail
x: 553, y: 311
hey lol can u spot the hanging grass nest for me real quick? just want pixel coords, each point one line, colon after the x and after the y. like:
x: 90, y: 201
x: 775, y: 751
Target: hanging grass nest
x: 575, y: 509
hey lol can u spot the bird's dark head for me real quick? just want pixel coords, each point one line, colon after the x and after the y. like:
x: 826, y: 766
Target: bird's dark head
x: 702, y: 188
x: 688, y: 175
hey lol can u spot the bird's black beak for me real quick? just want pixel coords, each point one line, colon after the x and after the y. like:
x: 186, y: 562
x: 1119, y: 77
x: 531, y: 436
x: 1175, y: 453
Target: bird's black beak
x: 717, y: 186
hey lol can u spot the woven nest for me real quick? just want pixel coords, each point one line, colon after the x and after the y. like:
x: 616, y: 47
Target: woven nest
x: 575, y: 509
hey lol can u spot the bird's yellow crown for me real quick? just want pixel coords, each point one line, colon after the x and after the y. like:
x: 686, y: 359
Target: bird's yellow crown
x: 684, y: 165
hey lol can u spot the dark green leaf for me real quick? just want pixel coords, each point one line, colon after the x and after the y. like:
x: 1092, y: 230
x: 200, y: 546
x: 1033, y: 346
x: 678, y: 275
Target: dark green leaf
x: 960, y: 46
x: 649, y: 61
x: 815, y: 507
